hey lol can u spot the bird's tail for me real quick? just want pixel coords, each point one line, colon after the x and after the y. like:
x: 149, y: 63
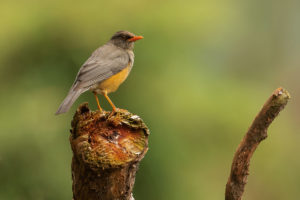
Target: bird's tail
x: 69, y: 100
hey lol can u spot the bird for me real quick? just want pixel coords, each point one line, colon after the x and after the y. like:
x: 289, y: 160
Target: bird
x: 104, y: 71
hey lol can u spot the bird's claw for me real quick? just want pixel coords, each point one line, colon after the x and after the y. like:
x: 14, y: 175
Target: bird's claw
x: 116, y: 110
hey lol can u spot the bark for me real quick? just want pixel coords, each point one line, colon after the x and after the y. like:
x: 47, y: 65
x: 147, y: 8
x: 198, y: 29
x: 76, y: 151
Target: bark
x: 107, y: 151
x: 256, y: 133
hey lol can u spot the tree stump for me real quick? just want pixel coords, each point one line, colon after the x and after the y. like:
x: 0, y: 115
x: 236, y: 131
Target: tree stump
x: 107, y: 151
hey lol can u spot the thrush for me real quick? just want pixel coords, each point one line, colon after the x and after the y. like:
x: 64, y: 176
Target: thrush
x: 105, y: 70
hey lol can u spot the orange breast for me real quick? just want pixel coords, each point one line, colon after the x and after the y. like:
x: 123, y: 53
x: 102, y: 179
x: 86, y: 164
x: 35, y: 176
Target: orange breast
x: 112, y: 83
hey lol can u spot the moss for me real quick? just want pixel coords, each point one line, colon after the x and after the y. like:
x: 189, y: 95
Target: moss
x: 103, y: 141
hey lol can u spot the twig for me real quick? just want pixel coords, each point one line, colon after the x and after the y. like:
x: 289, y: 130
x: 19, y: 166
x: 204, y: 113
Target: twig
x: 256, y: 133
x: 106, y: 153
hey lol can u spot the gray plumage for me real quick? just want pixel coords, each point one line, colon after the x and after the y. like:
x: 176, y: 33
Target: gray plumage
x: 104, y: 62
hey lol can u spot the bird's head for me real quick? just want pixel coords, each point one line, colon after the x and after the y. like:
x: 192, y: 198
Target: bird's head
x: 125, y: 39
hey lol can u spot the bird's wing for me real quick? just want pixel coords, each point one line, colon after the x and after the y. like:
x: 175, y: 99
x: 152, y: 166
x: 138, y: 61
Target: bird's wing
x: 106, y: 61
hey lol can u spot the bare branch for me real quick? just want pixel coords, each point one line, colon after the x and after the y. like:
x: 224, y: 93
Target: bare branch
x: 256, y: 133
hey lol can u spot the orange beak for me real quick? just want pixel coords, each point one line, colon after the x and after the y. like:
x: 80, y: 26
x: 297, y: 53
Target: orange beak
x: 135, y: 38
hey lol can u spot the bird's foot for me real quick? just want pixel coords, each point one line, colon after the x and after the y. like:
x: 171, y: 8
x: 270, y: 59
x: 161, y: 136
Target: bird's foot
x: 113, y: 112
x: 116, y: 116
x: 101, y: 111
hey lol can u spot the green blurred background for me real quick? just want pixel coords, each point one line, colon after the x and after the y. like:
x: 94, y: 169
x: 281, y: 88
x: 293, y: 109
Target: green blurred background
x: 201, y: 74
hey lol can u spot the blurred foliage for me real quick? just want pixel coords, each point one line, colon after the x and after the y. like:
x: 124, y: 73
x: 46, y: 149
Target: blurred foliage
x: 200, y: 76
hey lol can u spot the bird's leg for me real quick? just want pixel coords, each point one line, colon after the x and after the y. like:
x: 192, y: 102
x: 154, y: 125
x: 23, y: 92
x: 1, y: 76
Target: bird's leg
x: 109, y: 101
x: 98, y: 104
